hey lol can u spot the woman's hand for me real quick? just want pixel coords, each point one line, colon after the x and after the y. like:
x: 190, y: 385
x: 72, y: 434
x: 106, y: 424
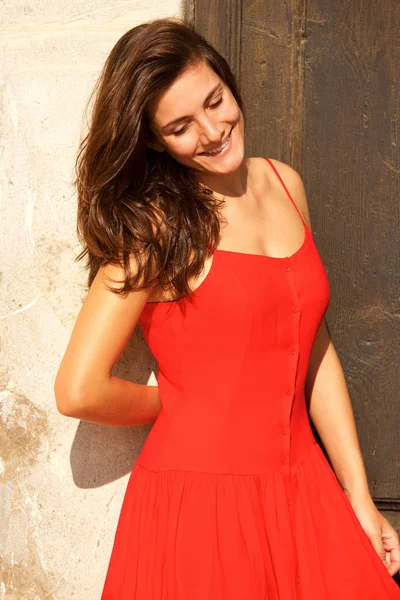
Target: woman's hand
x: 380, y: 532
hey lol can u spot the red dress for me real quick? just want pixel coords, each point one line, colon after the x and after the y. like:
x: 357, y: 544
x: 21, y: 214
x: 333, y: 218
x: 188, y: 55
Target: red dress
x: 231, y: 497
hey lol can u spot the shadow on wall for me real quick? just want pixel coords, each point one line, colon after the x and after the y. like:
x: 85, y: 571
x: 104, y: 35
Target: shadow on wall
x: 101, y: 454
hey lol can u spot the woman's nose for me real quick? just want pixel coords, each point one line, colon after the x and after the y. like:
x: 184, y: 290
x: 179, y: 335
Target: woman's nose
x: 209, y: 132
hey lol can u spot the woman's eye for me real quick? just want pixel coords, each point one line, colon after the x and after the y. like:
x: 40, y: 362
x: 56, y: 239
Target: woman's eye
x: 180, y: 131
x: 216, y: 103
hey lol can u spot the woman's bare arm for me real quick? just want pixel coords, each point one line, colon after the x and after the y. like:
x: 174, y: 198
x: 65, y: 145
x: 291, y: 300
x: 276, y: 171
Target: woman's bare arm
x: 332, y: 415
x: 84, y: 387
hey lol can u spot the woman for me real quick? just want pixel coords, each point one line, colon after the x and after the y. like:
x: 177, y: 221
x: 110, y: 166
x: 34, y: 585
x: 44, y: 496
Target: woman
x: 231, y: 496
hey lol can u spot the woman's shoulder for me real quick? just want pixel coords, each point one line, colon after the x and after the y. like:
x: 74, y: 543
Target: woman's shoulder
x: 290, y: 177
x: 286, y: 171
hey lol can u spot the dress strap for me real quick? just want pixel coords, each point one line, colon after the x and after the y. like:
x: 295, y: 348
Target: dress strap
x: 287, y: 191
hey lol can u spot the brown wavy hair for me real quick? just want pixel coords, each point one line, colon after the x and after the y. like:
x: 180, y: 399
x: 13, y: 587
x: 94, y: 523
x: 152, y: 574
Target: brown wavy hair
x: 132, y: 200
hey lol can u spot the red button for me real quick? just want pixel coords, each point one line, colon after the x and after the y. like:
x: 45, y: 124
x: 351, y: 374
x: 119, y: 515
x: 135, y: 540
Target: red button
x: 284, y: 461
x: 293, y: 351
x: 287, y: 267
x: 284, y: 432
x: 288, y: 391
x: 296, y: 308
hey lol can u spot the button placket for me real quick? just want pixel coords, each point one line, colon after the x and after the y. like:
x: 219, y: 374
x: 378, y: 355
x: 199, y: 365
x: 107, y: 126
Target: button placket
x: 293, y: 351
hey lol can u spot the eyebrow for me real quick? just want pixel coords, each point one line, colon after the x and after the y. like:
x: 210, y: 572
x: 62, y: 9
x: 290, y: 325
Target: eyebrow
x: 179, y: 119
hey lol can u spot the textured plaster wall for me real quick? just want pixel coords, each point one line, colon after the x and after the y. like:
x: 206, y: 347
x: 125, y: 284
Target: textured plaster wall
x: 61, y: 481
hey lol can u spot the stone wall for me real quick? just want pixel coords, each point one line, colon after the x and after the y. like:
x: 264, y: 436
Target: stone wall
x: 61, y: 481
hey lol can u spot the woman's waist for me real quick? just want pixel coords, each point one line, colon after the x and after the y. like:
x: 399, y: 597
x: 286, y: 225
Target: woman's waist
x: 225, y: 445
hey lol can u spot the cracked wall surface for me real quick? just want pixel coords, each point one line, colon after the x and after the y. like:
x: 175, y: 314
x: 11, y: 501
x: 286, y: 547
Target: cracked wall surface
x: 61, y: 481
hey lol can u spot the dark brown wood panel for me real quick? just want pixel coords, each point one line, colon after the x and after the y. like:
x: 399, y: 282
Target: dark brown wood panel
x: 320, y: 80
x: 351, y: 171
x: 270, y: 48
x: 220, y: 22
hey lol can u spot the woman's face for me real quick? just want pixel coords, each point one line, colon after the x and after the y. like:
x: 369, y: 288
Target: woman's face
x: 199, y: 123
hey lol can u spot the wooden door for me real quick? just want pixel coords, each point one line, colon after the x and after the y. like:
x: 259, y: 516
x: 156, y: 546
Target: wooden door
x: 321, y: 85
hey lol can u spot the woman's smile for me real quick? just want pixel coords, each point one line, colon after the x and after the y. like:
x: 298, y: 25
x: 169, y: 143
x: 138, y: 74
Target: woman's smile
x: 222, y: 149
